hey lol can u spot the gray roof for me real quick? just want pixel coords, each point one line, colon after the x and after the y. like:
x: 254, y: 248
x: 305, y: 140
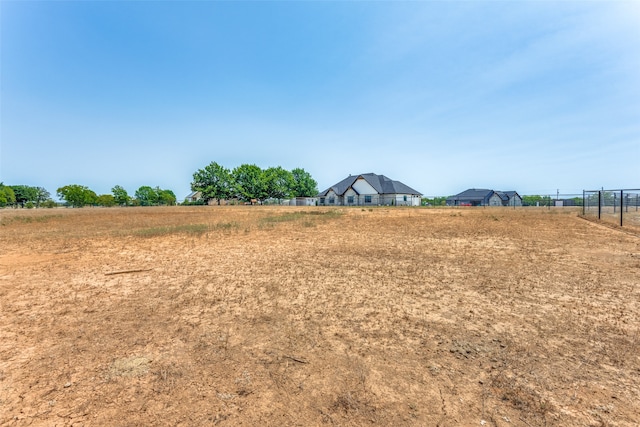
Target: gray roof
x: 473, y: 194
x: 482, y: 194
x: 502, y: 195
x: 507, y: 195
x: 380, y: 183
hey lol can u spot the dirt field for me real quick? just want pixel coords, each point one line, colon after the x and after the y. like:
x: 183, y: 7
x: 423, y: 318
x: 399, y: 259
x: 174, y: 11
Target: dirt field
x: 306, y: 316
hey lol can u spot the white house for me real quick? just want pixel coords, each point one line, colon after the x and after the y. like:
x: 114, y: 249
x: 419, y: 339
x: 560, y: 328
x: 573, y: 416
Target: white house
x: 369, y: 189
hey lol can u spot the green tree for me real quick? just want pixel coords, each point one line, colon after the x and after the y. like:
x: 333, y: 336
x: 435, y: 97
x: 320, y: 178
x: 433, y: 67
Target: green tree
x: 77, y: 195
x: 121, y: 196
x: 7, y: 196
x: 531, y: 200
x: 146, y: 196
x: 249, y: 182
x: 106, y: 200
x: 24, y: 194
x: 278, y: 183
x: 303, y: 184
x: 214, y: 182
x: 436, y: 201
x: 166, y: 197
x: 41, y: 194
x: 536, y: 200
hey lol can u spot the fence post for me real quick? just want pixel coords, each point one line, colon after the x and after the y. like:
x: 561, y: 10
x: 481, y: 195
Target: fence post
x: 583, y: 203
x: 599, y: 204
x: 621, y: 206
x: 626, y: 202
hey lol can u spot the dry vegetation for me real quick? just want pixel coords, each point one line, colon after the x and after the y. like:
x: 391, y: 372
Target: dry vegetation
x: 309, y: 316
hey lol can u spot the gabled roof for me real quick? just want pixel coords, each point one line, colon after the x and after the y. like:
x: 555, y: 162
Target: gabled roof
x: 507, y: 195
x: 380, y: 183
x: 473, y: 194
x: 503, y: 195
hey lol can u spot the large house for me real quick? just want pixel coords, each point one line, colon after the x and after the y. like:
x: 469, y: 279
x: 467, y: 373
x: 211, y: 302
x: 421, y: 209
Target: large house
x: 369, y: 189
x: 484, y: 197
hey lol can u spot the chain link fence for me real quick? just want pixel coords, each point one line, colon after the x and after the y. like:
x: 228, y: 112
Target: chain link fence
x: 619, y: 207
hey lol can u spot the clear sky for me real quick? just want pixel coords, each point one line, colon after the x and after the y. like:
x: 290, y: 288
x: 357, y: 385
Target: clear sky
x: 531, y: 96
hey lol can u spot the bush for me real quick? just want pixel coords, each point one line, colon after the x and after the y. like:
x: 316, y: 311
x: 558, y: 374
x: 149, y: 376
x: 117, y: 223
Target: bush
x: 199, y: 202
x: 49, y: 204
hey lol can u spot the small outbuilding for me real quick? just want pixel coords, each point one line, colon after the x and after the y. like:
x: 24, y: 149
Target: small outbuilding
x: 302, y: 201
x: 369, y: 189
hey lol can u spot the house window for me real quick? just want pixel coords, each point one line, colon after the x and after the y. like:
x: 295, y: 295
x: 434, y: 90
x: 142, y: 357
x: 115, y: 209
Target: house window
x: 322, y: 200
x: 331, y: 200
x: 350, y: 200
x: 367, y: 199
x: 405, y: 198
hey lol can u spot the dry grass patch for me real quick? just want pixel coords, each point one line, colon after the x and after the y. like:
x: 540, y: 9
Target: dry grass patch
x: 314, y: 316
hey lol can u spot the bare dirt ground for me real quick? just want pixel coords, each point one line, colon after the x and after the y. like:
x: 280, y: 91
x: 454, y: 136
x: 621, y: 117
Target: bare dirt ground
x: 317, y: 317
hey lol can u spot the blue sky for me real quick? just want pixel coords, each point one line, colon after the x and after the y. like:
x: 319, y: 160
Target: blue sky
x: 532, y: 96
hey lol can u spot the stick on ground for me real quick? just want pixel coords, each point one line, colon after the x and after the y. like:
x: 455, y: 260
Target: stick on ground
x: 295, y: 359
x: 111, y: 273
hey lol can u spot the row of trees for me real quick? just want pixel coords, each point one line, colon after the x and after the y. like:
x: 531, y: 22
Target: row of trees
x: 78, y: 195
x: 250, y: 182
x: 435, y: 201
x: 536, y: 200
x: 24, y: 196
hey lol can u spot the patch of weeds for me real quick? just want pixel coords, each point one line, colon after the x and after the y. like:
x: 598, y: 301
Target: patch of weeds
x: 167, y: 374
x: 296, y: 216
x: 283, y: 218
x: 135, y: 366
x: 226, y: 226
x: 349, y: 403
x: 194, y: 229
x: 346, y: 402
x: 334, y: 213
x: 522, y: 397
x: 28, y: 219
x: 262, y: 225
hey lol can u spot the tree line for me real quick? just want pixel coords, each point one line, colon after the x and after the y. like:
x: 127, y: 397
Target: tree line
x: 24, y: 196
x: 78, y: 196
x: 247, y: 183
x: 250, y: 183
x: 537, y: 200
x: 75, y: 195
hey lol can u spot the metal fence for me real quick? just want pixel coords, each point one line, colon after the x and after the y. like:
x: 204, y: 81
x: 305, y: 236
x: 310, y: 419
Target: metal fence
x: 619, y: 207
x: 560, y: 200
